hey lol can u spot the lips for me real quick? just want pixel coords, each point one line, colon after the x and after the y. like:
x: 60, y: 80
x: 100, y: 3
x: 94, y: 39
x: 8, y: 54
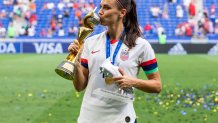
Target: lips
x: 101, y: 20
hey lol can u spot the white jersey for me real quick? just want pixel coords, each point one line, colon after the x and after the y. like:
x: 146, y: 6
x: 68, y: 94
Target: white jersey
x: 97, y: 109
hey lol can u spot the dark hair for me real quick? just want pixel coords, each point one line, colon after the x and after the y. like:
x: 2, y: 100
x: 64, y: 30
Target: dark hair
x: 132, y: 31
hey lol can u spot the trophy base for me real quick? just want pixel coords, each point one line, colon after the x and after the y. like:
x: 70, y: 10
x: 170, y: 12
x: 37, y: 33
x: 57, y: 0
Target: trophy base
x: 65, y: 69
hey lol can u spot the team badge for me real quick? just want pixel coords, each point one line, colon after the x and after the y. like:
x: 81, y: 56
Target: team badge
x: 124, y: 55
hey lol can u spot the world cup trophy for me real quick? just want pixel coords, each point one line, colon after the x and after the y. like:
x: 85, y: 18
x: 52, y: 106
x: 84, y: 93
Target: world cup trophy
x: 66, y: 68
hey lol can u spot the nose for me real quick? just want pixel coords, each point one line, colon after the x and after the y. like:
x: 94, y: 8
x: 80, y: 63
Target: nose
x: 100, y: 12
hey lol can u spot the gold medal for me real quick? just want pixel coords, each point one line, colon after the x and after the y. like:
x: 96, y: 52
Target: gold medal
x: 109, y: 80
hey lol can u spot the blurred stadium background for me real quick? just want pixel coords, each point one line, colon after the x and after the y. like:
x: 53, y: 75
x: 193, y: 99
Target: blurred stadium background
x: 34, y: 35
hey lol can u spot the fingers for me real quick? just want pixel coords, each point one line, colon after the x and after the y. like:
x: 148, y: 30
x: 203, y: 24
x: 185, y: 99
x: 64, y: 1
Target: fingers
x: 121, y: 71
x: 76, y: 42
x: 122, y: 82
x: 123, y: 86
x: 74, y: 47
x: 118, y: 82
x: 117, y: 78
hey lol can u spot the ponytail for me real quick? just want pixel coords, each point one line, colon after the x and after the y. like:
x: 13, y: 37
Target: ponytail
x: 130, y: 22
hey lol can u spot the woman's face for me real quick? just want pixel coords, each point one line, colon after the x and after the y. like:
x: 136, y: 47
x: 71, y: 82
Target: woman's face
x: 109, y: 13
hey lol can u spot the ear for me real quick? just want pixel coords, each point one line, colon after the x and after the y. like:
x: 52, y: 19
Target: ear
x: 123, y: 13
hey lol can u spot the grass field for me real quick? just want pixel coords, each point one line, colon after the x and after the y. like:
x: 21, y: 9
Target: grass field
x: 31, y: 92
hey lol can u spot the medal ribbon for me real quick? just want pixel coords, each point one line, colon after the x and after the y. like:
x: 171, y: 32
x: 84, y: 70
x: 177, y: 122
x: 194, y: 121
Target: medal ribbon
x: 108, y: 48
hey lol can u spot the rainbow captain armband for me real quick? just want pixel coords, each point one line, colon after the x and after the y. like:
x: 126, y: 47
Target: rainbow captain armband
x: 149, y: 66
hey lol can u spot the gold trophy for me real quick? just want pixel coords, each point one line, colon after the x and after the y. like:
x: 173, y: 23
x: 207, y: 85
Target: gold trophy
x: 66, y: 68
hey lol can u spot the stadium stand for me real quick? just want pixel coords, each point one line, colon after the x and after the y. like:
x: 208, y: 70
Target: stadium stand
x: 62, y: 18
x: 211, y: 10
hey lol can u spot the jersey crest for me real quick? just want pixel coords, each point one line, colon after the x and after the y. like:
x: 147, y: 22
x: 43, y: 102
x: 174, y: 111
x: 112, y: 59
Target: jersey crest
x: 124, y: 55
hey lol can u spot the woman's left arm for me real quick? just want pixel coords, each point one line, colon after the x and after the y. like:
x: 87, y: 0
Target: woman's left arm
x: 152, y: 85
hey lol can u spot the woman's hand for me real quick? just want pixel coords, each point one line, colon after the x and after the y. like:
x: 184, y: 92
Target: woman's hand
x: 74, y: 47
x: 124, y: 81
x: 152, y: 85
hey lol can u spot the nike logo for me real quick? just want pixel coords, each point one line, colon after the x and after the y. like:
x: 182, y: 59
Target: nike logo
x: 93, y: 52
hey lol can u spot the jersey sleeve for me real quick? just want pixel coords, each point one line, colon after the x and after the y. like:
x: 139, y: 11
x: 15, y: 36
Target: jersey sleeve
x: 84, y: 55
x: 148, y: 61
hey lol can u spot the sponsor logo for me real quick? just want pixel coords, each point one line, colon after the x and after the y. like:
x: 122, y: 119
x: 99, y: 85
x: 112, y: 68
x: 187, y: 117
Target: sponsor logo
x: 213, y: 50
x: 7, y: 48
x: 93, y: 52
x: 178, y: 49
x: 48, y: 48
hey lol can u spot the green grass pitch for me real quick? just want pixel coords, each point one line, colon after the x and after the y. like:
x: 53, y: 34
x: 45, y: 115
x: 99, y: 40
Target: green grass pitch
x: 31, y: 92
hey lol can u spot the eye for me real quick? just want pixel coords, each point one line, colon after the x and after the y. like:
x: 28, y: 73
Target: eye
x: 106, y: 7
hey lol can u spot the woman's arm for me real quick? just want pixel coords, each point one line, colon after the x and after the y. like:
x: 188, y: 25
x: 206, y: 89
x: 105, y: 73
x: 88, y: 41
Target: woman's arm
x: 80, y: 77
x: 152, y: 85
x: 80, y: 73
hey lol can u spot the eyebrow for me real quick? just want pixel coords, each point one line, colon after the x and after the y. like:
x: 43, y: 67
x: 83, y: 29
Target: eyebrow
x: 105, y: 5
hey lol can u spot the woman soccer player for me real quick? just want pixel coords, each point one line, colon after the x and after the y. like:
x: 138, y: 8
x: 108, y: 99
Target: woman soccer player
x: 122, y: 42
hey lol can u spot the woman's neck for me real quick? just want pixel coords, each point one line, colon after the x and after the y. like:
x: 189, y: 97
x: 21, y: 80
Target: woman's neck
x: 115, y: 31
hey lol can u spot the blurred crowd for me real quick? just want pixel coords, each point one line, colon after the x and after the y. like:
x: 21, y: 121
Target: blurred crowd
x: 79, y: 9
x: 199, y: 23
x: 23, y: 19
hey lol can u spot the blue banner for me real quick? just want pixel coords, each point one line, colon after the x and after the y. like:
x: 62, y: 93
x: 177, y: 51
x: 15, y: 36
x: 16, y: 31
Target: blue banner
x: 10, y: 47
x: 50, y: 47
x: 58, y: 46
x: 45, y: 47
